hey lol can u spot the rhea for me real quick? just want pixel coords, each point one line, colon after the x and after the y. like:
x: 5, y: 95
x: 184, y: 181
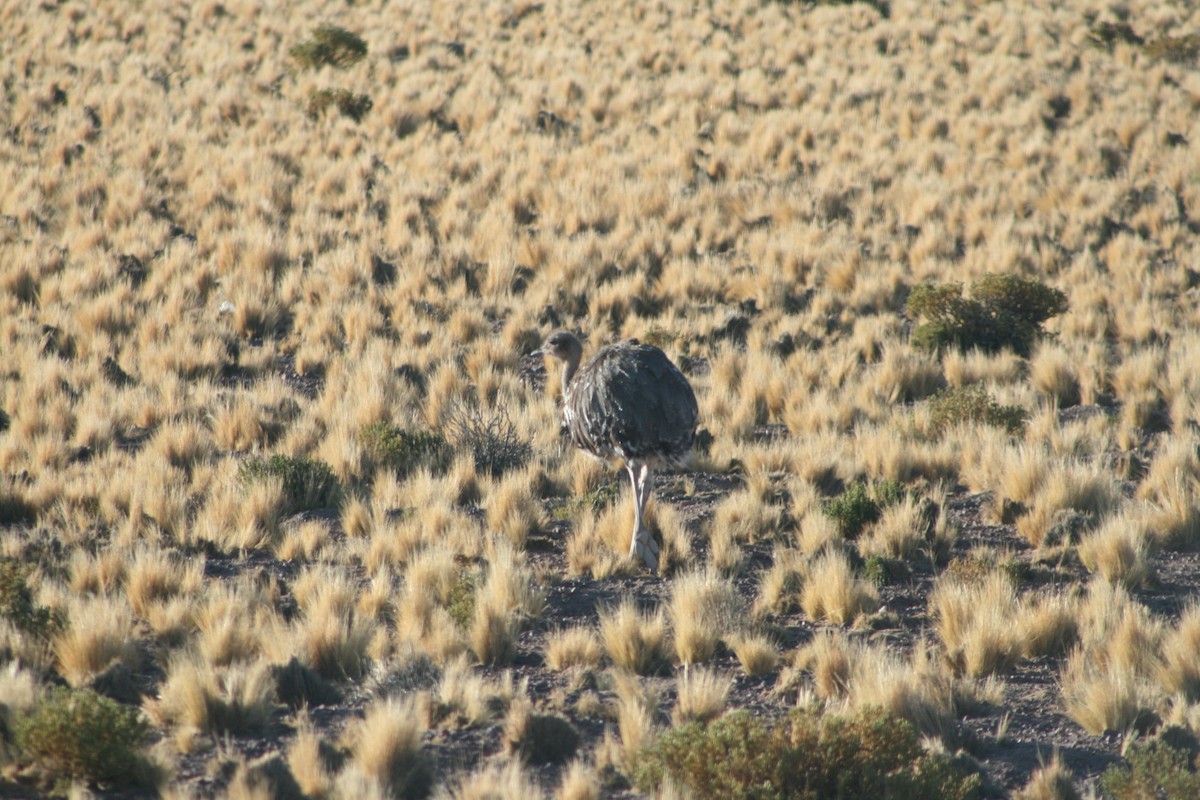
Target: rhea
x: 627, y: 403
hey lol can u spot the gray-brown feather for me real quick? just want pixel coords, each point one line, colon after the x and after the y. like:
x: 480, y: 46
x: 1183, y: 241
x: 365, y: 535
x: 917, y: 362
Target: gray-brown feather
x: 630, y: 402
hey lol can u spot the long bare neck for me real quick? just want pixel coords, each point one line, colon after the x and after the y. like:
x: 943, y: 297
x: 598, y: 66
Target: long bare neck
x: 570, y: 367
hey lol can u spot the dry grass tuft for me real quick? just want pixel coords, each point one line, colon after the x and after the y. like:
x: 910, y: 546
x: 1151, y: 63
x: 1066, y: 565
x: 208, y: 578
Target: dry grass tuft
x: 705, y: 608
x: 635, y: 640
x: 599, y: 546
x: 975, y: 623
x: 573, y: 647
x: 473, y: 699
x: 1118, y: 551
x: 863, y: 676
x: 236, y: 699
x: 495, y: 782
x: 385, y: 747
x: 702, y: 694
x: 308, y: 757
x: 833, y: 593
x: 580, y: 781
x: 1180, y: 671
x: 1052, y: 781
x: 100, y: 633
x: 757, y: 654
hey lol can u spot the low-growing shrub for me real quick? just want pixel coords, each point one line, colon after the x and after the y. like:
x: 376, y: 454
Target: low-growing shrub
x: 403, y: 451
x: 1109, y: 34
x: 17, y: 604
x: 349, y: 104
x: 1003, y: 311
x: 1157, y: 770
x: 80, y: 735
x: 805, y: 756
x: 972, y: 404
x: 307, y: 482
x: 491, y: 439
x: 461, y: 600
x: 329, y: 46
x: 592, y: 502
x: 1175, y: 49
x: 857, y: 507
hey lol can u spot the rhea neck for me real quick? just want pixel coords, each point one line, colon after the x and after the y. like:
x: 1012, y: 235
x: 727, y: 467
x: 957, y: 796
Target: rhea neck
x: 570, y: 367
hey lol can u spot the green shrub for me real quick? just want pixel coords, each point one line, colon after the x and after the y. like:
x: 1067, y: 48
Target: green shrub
x: 1157, y: 771
x: 351, y: 105
x: 963, y: 404
x: 804, y: 756
x: 1003, y: 311
x: 1108, y: 34
x: 1175, y: 49
x: 593, y: 502
x: 80, y: 735
x: 307, y: 482
x: 461, y: 602
x: 403, y: 451
x: 491, y: 439
x: 5, y: 421
x: 881, y: 571
x: 857, y: 507
x: 17, y: 605
x: 330, y: 46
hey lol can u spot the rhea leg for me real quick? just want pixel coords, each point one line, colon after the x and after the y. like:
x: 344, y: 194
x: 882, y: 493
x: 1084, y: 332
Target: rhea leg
x: 642, y: 544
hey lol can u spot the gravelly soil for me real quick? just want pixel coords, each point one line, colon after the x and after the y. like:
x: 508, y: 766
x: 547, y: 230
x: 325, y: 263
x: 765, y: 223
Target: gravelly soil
x: 1009, y: 742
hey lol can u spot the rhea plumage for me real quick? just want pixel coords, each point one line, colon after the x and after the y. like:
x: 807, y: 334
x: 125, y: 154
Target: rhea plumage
x: 627, y: 403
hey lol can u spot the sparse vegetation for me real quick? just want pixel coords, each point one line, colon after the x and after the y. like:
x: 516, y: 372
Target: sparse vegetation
x: 349, y: 104
x: 972, y: 404
x: 803, y: 756
x: 307, y: 482
x: 17, y: 604
x: 859, y: 506
x: 79, y: 735
x: 329, y: 46
x: 1159, y: 769
x: 489, y: 437
x: 272, y: 436
x: 1002, y: 311
x: 401, y: 450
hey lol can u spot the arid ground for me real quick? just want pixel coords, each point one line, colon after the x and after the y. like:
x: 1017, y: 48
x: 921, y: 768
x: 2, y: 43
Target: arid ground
x: 285, y: 507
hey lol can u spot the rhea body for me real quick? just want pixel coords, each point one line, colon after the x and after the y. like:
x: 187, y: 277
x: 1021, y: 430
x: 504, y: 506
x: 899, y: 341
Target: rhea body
x: 628, y: 402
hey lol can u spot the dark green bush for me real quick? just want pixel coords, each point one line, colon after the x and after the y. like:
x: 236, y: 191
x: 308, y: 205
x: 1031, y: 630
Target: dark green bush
x: 5, y: 421
x: 963, y: 404
x: 1175, y: 49
x: 803, y: 757
x: 80, y: 735
x: 491, y: 439
x: 351, y: 105
x: 1108, y: 34
x: 403, y: 451
x: 857, y: 507
x: 1157, y: 771
x: 330, y: 46
x: 461, y: 602
x: 881, y: 571
x: 1003, y: 311
x: 307, y: 482
x: 17, y: 605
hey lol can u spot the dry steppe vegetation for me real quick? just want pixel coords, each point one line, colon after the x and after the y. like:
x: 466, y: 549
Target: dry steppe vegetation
x: 284, y: 505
